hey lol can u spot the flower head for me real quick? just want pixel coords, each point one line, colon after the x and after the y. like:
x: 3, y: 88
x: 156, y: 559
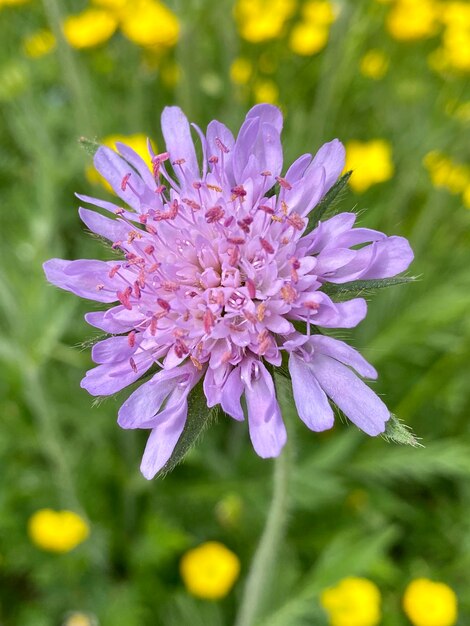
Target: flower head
x: 210, y: 570
x: 352, y: 602
x: 218, y: 278
x: 57, y: 531
x: 429, y: 603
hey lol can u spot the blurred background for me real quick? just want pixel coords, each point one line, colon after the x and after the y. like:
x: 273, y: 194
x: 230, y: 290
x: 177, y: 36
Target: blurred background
x: 84, y: 539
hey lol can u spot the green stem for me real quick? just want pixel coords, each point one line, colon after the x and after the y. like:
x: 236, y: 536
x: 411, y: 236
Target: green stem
x: 262, y: 567
x: 72, y: 74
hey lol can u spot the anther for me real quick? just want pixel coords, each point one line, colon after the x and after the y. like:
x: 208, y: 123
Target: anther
x: 251, y: 287
x: 221, y: 146
x: 296, y: 221
x: 214, y: 214
x: 283, y: 183
x: 288, y: 293
x: 267, y: 247
x: 208, y: 320
x: 164, y: 304
x: 131, y: 339
x: 113, y: 270
x: 133, y: 365
x: 125, y: 181
x: 238, y: 191
x: 266, y: 209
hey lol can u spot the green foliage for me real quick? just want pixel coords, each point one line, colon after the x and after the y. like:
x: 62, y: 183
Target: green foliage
x: 358, y: 506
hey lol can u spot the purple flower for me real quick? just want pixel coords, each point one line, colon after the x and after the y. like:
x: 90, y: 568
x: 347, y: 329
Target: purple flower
x: 213, y: 272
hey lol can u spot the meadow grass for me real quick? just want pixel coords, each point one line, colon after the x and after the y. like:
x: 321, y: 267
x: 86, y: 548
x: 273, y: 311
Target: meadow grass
x: 357, y: 506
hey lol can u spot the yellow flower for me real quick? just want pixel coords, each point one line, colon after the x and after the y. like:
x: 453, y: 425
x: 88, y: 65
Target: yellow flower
x: 374, y: 64
x: 150, y: 23
x: 456, y: 47
x: 39, y: 44
x: 444, y: 172
x: 371, y: 162
x: 456, y: 13
x: 89, y: 28
x: 240, y: 71
x: 319, y: 12
x: 79, y: 619
x: 112, y: 5
x: 409, y: 20
x: 210, y: 570
x: 259, y: 20
x: 353, y: 602
x: 265, y: 91
x: 466, y: 197
x: 57, y: 531
x: 428, y: 603
x: 137, y: 142
x: 12, y: 3
x: 308, y: 38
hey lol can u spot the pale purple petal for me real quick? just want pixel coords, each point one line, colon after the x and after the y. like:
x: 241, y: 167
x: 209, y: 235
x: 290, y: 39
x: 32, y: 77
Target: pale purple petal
x: 114, y: 169
x: 114, y: 230
x: 393, y: 256
x: 112, y: 349
x: 87, y: 279
x: 178, y: 140
x: 344, y: 315
x: 342, y: 352
x: 116, y: 320
x: 231, y: 395
x: 162, y: 442
x: 357, y: 401
x: 110, y: 378
x: 137, y: 163
x: 268, y: 113
x: 267, y: 431
x: 140, y: 408
x: 332, y: 157
x: 311, y: 402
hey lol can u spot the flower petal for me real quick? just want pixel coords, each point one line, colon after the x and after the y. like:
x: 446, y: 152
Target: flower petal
x: 85, y: 278
x: 345, y: 354
x: 311, y: 402
x: 267, y: 431
x: 162, y: 442
x: 357, y: 401
x: 331, y: 156
x: 178, y: 140
x: 114, y: 230
x: 140, y: 408
x: 231, y: 395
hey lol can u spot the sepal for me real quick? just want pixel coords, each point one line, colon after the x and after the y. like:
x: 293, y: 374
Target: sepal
x: 345, y: 291
x: 400, y: 433
x: 322, y: 207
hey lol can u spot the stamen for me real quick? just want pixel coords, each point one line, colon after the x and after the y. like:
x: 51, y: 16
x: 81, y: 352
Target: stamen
x: 288, y: 293
x: 164, y: 304
x: 131, y: 339
x: 133, y: 365
x: 222, y: 147
x: 267, y: 247
x: 214, y: 215
x: 284, y: 183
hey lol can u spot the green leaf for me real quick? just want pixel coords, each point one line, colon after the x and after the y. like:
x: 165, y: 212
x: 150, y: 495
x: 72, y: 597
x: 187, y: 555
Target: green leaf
x: 89, y: 145
x: 400, y: 433
x: 363, y: 287
x: 199, y: 416
x: 327, y: 202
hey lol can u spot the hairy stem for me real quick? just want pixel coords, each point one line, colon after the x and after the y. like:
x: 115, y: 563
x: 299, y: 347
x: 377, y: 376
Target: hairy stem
x: 264, y: 560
